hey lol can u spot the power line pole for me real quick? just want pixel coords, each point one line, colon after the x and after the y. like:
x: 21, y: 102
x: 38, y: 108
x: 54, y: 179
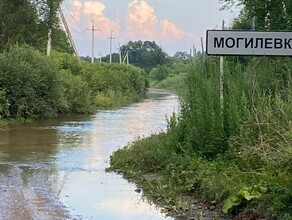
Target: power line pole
x: 203, y: 52
x: 111, y: 41
x: 92, y: 29
x: 120, y: 53
x: 194, y: 51
x: 49, y: 44
x: 221, y: 82
x: 253, y: 25
x: 68, y: 32
x: 100, y: 57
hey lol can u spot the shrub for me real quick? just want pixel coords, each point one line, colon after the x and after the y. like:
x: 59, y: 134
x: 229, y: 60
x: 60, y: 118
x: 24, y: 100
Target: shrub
x: 30, y: 82
x: 76, y: 94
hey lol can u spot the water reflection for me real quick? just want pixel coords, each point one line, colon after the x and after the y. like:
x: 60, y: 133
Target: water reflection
x: 110, y: 196
x: 27, y: 143
x: 69, y: 155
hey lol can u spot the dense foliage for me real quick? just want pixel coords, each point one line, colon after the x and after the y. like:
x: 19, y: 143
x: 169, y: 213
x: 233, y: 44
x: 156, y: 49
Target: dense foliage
x: 268, y: 14
x: 36, y: 86
x: 28, y: 22
x: 144, y: 54
x: 29, y: 83
x: 239, y: 156
x: 170, y: 75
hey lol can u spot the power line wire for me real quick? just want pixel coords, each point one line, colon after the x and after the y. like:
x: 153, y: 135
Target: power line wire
x: 81, y: 30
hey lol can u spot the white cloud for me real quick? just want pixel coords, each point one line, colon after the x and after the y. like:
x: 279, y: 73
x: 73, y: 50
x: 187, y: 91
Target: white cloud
x: 93, y: 8
x: 169, y: 29
x: 86, y: 12
x: 75, y: 9
x: 139, y: 22
x: 142, y: 22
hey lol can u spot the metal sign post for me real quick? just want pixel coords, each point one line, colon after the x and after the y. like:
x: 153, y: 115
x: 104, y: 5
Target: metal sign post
x: 221, y: 83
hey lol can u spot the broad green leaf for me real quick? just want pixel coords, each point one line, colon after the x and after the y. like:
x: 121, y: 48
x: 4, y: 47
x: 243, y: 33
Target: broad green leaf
x: 256, y: 194
x: 263, y: 189
x: 231, y: 202
x: 245, y: 194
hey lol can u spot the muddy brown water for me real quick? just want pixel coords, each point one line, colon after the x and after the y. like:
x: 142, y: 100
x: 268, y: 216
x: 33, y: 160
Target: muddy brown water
x: 55, y: 169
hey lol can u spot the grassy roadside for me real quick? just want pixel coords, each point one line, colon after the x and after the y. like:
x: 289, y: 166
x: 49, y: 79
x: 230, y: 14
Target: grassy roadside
x: 171, y: 181
x: 190, y: 186
x: 242, y: 169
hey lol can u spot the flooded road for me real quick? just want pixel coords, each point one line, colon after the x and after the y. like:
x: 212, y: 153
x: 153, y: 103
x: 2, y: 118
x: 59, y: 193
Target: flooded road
x: 55, y: 169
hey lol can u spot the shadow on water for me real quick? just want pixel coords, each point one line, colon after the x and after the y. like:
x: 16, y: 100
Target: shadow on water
x: 69, y: 155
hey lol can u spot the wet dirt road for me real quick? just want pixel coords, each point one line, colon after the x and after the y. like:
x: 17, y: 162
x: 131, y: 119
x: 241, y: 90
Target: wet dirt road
x: 54, y: 169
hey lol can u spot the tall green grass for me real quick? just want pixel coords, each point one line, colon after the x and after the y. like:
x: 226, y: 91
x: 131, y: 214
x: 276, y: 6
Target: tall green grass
x: 211, y: 154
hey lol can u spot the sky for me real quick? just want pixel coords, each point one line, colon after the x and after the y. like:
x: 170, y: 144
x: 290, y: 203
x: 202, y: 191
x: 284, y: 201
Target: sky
x: 175, y: 25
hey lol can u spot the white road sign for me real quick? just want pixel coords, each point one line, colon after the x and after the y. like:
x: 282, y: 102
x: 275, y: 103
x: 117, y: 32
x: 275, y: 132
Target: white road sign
x: 253, y: 43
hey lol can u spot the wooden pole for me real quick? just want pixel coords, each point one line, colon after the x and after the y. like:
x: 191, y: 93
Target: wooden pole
x: 221, y: 81
x: 92, y: 29
x: 49, y: 44
x: 68, y: 32
x: 111, y: 42
x: 203, y: 52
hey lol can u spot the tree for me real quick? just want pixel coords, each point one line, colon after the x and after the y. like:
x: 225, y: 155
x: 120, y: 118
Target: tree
x: 30, y: 84
x: 144, y: 54
x: 115, y: 58
x: 269, y: 14
x: 60, y: 41
x: 28, y: 22
x: 182, y: 56
x: 18, y: 23
x: 47, y: 11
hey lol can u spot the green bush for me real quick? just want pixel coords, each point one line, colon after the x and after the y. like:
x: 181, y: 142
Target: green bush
x: 31, y: 84
x: 160, y: 73
x: 68, y: 62
x: 37, y: 86
x: 98, y: 86
x: 76, y: 94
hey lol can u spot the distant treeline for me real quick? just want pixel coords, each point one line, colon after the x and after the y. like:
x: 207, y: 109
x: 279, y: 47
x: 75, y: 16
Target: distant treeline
x: 37, y: 86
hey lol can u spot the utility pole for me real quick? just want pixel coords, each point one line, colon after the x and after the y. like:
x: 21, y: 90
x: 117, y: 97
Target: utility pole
x: 68, y: 32
x: 253, y: 24
x: 49, y: 45
x: 100, y: 57
x: 120, y: 53
x: 126, y: 58
x: 194, y: 53
x: 203, y: 52
x: 92, y: 29
x: 221, y: 82
x: 111, y: 41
